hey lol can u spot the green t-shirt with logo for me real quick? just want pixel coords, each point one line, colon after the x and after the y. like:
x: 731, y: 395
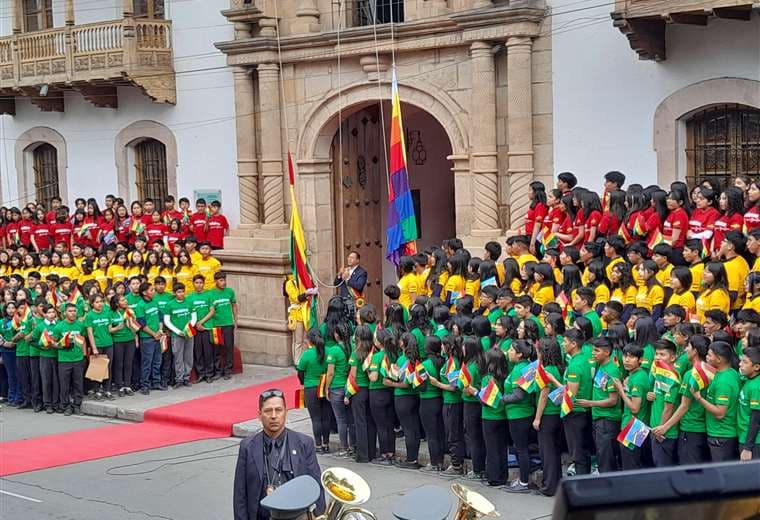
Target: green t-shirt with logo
x: 148, y: 311
x: 525, y: 407
x: 551, y: 408
x: 337, y: 356
x: 409, y: 390
x: 222, y: 301
x: 162, y: 300
x: 596, y: 322
x: 693, y: 420
x: 580, y: 370
x: 663, y: 396
x: 377, y: 359
x: 648, y: 358
x: 133, y: 300
x: 200, y: 304
x: 723, y: 391
x: 74, y: 352
x: 428, y: 390
x: 42, y: 326
x: 362, y: 379
x: 125, y: 334
x: 494, y: 315
x: 636, y: 385
x: 23, y: 346
x: 492, y: 413
x: 179, y: 312
x: 449, y: 396
x: 99, y: 322
x: 29, y: 326
x: 749, y: 400
x: 474, y: 371
x: 601, y: 390
x: 313, y: 370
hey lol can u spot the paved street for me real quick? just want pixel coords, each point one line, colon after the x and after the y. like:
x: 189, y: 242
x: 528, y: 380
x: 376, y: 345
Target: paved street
x: 187, y: 482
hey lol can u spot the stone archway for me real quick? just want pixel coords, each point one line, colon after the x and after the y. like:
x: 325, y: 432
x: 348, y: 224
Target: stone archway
x: 25, y: 145
x: 672, y: 113
x: 124, y: 154
x: 314, y: 146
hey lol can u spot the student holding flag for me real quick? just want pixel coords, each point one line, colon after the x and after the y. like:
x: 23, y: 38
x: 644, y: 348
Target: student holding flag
x: 97, y: 322
x: 222, y: 298
x: 748, y: 414
x: 431, y: 404
x: 337, y: 355
x: 494, y: 417
x: 578, y: 381
x: 366, y: 430
x: 633, y: 392
x: 546, y: 420
x: 385, y: 354
x: 43, y: 335
x: 664, y: 398
x: 312, y: 369
x: 180, y: 318
x: 452, y: 403
x: 71, y: 345
x: 123, y: 330
x: 473, y: 365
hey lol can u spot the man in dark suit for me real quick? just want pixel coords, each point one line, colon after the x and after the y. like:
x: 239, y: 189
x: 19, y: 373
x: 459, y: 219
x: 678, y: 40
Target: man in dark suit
x: 270, y: 458
x: 352, y: 278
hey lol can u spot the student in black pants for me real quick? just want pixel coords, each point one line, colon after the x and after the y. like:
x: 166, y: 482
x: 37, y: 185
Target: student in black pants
x: 381, y: 396
x: 453, y: 424
x: 431, y: 405
x: 577, y: 424
x: 122, y: 329
x: 366, y: 431
x: 311, y: 369
x: 547, y: 421
x: 406, y: 399
x: 473, y: 363
x: 494, y: 420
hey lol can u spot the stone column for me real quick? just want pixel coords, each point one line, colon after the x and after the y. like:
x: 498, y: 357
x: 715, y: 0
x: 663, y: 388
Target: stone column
x: 69, y: 14
x: 483, y: 141
x: 248, y: 168
x: 271, y: 144
x: 519, y: 126
x: 17, y: 14
x: 307, y: 17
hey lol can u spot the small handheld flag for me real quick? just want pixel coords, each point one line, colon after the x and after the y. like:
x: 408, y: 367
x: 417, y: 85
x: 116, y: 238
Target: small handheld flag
x: 299, y: 398
x: 217, y: 338
x: 533, y: 377
x: 47, y: 340
x: 665, y: 376
x: 69, y: 340
x: 420, y: 375
x: 189, y: 331
x: 322, y: 388
x: 702, y: 374
x: 367, y: 363
x: 490, y: 394
x: 633, y: 434
x: 86, y: 228
x: 453, y: 376
x: 488, y: 282
x: 16, y: 322
x: 567, y: 404
x: 555, y: 396
x: 465, y: 378
x: 352, y: 387
x: 600, y: 379
x: 137, y: 227
x: 109, y: 238
x: 385, y: 366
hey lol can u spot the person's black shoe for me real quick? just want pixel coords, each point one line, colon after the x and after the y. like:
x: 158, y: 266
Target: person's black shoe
x: 545, y: 492
x: 59, y: 409
x: 77, y: 410
x: 145, y: 391
x: 24, y: 405
x: 405, y: 464
x: 209, y: 379
x: 227, y: 377
x: 38, y: 408
x: 68, y: 411
x: 122, y: 393
x: 129, y: 391
x: 49, y: 409
x: 163, y: 388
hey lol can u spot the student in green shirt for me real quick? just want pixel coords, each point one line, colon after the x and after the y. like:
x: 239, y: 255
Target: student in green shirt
x: 520, y: 409
x: 97, y: 323
x: 204, y: 311
x: 381, y: 396
x: 494, y: 420
x: 51, y: 392
x: 546, y: 421
x: 123, y: 330
x: 524, y: 311
x: 605, y: 405
x: 366, y: 430
x: 162, y: 298
x: 452, y: 403
x: 583, y: 305
x: 8, y: 353
x: 133, y: 295
x: 441, y: 317
x: 312, y: 368
x: 419, y: 326
x: 748, y: 416
x: 69, y: 332
x: 406, y: 400
x: 150, y: 336
x: 222, y: 299
x: 721, y: 403
x: 488, y: 297
x: 645, y: 335
x: 504, y: 331
x: 180, y: 319
x: 34, y: 353
x: 337, y: 375
x: 578, y: 380
x: 633, y: 392
x: 431, y: 403
x: 664, y: 398
x: 23, y: 364
x: 690, y: 415
x: 474, y: 363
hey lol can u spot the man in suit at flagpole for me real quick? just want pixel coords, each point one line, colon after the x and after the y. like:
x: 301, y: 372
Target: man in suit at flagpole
x: 352, y: 278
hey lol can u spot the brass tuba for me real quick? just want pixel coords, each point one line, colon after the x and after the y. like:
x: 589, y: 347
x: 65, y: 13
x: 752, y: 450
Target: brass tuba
x: 345, y: 488
x: 472, y: 505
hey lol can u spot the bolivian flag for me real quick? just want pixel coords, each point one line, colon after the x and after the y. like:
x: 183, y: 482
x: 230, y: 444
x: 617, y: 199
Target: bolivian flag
x: 86, y: 228
x: 47, y: 340
x: 137, y: 227
x: 352, y: 387
x: 490, y: 395
x: 189, y: 331
x: 322, y: 388
x: 217, y: 338
x: 702, y: 374
x: 367, y: 363
x: 465, y: 378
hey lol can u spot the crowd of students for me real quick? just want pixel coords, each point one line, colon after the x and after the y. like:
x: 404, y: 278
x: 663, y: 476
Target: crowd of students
x: 139, y: 286
x: 640, y: 308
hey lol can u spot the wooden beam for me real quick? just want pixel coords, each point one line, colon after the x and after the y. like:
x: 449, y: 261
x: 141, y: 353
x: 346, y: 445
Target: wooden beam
x: 7, y: 104
x: 686, y: 18
x: 733, y: 13
x: 100, y: 96
x: 646, y: 37
x: 53, y: 102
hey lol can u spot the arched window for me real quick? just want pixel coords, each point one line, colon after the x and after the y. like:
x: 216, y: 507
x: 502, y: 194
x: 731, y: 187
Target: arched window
x: 45, y: 166
x: 150, y: 169
x: 149, y: 9
x: 722, y: 142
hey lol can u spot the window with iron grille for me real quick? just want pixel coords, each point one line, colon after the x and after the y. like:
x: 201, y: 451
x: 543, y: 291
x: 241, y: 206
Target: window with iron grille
x: 45, y: 159
x: 722, y: 142
x: 149, y: 9
x: 370, y: 12
x: 38, y: 15
x: 150, y: 169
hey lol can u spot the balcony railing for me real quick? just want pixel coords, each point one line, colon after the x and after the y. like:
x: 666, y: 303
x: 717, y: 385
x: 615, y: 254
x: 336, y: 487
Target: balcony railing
x: 108, y: 53
x: 658, y: 8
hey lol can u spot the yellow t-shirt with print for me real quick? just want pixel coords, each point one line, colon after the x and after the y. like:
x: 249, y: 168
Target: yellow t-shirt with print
x: 408, y: 286
x: 625, y: 297
x: 685, y: 300
x: 454, y: 285
x: 712, y: 299
x: 208, y: 268
x: 696, y: 276
x: 544, y: 295
x: 648, y: 298
x: 117, y: 274
x: 472, y: 288
x: 612, y: 264
x: 737, y: 271
x: 663, y: 275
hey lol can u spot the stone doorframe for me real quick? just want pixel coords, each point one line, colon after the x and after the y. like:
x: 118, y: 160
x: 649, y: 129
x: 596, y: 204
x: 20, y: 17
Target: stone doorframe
x: 314, y: 159
x: 672, y: 114
x: 25, y: 144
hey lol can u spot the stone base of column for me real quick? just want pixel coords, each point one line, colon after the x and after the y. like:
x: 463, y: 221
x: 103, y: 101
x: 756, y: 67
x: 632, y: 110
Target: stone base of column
x: 257, y: 275
x: 477, y: 238
x: 259, y: 237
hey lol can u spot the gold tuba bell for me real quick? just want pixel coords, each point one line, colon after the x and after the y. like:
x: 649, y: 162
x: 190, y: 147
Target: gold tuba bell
x: 472, y: 505
x: 347, y: 491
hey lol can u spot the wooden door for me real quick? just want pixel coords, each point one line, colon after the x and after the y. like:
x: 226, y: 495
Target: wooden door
x: 358, y: 181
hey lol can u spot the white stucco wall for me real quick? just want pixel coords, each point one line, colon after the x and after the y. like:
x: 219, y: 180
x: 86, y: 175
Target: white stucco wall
x: 605, y: 98
x: 202, y: 121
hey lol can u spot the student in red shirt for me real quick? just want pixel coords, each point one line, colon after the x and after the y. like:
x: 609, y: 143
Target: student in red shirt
x: 62, y: 230
x: 176, y: 232
x: 592, y: 211
x: 731, y: 204
x: 12, y: 236
x: 567, y: 233
x: 41, y: 236
x: 614, y: 215
x: 677, y: 223
x: 170, y: 211
x: 613, y: 181
x: 137, y: 213
x: 633, y: 224
x: 752, y: 216
x: 26, y: 227
x: 51, y: 217
x: 198, y: 221
x: 121, y: 225
x: 536, y: 211
x: 107, y: 225
x: 653, y: 224
x: 156, y: 230
x: 703, y: 216
x: 218, y: 226
x: 555, y: 216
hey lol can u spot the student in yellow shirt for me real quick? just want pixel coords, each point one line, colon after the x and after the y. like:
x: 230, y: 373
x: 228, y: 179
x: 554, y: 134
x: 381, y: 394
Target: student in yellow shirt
x: 472, y: 281
x: 166, y: 269
x: 151, y: 267
x: 551, y: 257
x: 661, y: 255
x: 546, y: 284
x: 101, y: 273
x: 208, y: 266
x: 455, y: 285
x: 752, y: 287
x: 597, y: 280
x: 408, y: 282
x: 731, y: 248
x: 136, y: 264
x: 193, y: 248
x: 117, y: 272
x: 87, y: 272
x: 185, y: 270
x: 520, y: 250
x: 421, y: 270
x: 680, y: 282
x: 753, y: 246
x: 76, y: 255
x: 692, y: 253
x: 512, y: 278
x: 493, y: 253
x: 438, y: 275
x: 637, y: 253
x: 651, y: 295
x: 614, y: 249
x: 714, y: 293
x: 68, y: 269
x: 623, y: 288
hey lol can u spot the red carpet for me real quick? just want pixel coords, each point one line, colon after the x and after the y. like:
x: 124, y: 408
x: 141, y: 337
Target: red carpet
x: 209, y: 417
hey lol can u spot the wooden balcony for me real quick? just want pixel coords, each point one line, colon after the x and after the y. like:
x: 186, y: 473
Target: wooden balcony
x: 644, y: 22
x: 92, y: 59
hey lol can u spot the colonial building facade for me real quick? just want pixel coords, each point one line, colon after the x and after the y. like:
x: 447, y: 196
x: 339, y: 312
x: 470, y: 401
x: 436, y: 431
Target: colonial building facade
x: 312, y: 77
